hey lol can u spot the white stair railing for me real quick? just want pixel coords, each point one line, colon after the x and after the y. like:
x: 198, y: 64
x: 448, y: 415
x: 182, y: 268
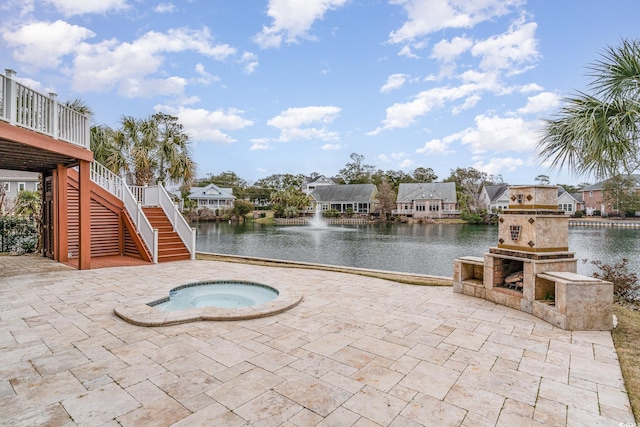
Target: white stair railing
x: 156, y: 195
x: 116, y: 186
x: 180, y: 225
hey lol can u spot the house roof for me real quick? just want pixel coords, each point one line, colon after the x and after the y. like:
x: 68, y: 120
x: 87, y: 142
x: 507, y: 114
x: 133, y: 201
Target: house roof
x: 495, y: 192
x: 359, y: 193
x: 445, y: 191
x: 319, y: 178
x: 600, y: 185
x: 211, y: 192
x: 11, y: 175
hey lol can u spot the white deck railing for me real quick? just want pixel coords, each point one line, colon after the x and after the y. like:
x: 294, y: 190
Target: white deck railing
x: 116, y: 186
x: 157, y: 196
x: 24, y: 107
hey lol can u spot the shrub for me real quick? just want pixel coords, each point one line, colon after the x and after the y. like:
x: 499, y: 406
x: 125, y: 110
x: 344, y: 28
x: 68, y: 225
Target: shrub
x: 578, y: 214
x: 625, y: 284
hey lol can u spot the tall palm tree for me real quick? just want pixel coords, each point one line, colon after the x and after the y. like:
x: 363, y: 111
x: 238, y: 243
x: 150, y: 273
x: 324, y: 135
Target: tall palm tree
x: 153, y: 150
x: 598, y: 134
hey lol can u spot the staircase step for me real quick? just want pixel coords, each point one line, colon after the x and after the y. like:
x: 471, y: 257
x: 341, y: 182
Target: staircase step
x: 170, y: 245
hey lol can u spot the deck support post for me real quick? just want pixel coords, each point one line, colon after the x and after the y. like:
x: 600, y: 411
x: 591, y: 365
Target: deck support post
x: 61, y: 220
x: 84, y: 256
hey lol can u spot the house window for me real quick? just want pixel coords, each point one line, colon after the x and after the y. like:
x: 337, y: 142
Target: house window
x: 567, y: 207
x: 22, y: 186
x: 420, y: 207
x: 36, y: 186
x: 433, y: 207
x: 590, y: 193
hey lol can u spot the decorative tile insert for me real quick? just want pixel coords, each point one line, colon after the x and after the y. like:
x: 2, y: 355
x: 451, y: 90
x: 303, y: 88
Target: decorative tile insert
x: 515, y: 231
x: 531, y: 220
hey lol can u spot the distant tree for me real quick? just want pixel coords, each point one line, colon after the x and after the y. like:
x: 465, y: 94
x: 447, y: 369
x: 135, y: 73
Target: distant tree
x: 356, y: 171
x: 289, y: 200
x: 619, y: 192
x: 469, y: 182
x: 569, y: 188
x: 386, y: 199
x: 393, y: 178
x: 241, y: 208
x: 542, y: 179
x: 424, y: 175
x: 281, y: 182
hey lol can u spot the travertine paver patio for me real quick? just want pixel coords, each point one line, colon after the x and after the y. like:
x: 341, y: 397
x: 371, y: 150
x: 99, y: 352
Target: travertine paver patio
x: 357, y: 351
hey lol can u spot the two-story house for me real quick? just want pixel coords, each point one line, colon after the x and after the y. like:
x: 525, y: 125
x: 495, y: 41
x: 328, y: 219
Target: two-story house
x: 494, y: 198
x: 212, y: 197
x: 426, y: 200
x: 593, y: 197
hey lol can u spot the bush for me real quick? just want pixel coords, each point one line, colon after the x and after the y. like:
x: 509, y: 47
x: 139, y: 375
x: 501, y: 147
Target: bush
x: 15, y: 231
x: 578, y: 214
x: 625, y: 284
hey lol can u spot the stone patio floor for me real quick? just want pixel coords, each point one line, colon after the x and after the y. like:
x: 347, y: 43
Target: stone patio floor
x: 356, y: 351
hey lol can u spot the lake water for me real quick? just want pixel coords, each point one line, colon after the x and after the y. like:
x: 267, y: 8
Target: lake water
x: 412, y: 248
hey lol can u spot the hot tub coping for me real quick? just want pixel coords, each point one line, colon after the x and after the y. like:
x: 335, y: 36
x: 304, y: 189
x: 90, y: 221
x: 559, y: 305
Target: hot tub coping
x: 143, y: 314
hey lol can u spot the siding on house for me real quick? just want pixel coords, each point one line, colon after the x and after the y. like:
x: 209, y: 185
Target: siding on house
x: 212, y: 197
x: 593, y: 197
x: 15, y: 181
x: 426, y: 200
x: 361, y: 198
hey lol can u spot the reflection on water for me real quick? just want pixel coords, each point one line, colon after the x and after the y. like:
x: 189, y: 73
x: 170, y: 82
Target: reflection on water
x: 412, y: 248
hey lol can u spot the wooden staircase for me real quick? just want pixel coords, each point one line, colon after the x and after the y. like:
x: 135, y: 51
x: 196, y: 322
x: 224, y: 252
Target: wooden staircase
x: 170, y: 245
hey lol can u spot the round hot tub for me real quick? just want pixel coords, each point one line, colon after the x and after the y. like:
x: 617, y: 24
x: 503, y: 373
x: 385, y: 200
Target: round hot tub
x: 212, y: 300
x: 223, y: 294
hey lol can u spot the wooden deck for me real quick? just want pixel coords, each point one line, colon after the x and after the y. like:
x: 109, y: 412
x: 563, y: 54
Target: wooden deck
x: 110, y: 261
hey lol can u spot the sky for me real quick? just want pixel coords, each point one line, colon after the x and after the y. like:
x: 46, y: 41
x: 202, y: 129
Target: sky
x: 267, y: 87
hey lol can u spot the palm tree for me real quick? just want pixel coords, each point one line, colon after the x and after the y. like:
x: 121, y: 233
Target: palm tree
x: 598, y: 134
x: 155, y: 149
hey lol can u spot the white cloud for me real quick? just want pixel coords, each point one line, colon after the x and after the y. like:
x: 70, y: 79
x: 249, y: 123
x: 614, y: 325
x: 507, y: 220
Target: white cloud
x: 383, y: 158
x: 205, y: 125
x: 165, y: 8
x: 512, y: 51
x: 439, y: 146
x: 447, y: 51
x: 259, y: 144
x: 544, y: 101
x: 332, y: 147
x: 205, y: 77
x: 495, y: 134
x: 402, y: 115
x: 81, y: 7
x: 44, y: 44
x: 398, y: 156
x: 291, y: 123
x: 497, y: 165
x: 111, y: 64
x: 406, y: 51
x: 531, y: 87
x: 250, y: 62
x: 407, y: 163
x: 292, y: 20
x: 394, y: 81
x: 427, y: 16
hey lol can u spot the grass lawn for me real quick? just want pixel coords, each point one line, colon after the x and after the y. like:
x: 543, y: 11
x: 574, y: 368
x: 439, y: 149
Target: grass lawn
x: 626, y: 338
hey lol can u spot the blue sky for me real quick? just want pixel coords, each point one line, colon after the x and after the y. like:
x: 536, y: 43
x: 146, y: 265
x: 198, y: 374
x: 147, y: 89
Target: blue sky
x: 296, y: 86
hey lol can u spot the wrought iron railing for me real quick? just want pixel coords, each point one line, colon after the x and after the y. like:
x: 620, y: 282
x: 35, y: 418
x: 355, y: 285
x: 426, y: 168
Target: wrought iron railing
x: 24, y: 107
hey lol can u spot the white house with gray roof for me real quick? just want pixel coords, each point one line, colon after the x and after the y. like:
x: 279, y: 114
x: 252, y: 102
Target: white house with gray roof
x: 12, y: 183
x: 359, y: 198
x: 427, y: 200
x: 212, y: 197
